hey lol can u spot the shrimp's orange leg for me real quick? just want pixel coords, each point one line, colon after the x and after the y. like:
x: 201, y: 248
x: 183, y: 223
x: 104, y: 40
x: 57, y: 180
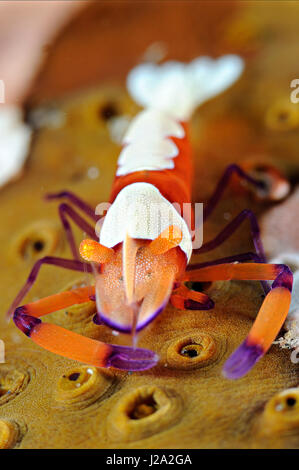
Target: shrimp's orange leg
x: 229, y: 271
x: 272, y: 313
x: 73, y: 265
x: 188, y: 299
x: 72, y: 345
x: 59, y: 301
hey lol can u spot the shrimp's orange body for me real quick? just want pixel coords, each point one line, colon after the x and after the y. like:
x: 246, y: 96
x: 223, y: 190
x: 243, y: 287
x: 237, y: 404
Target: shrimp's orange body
x: 174, y: 184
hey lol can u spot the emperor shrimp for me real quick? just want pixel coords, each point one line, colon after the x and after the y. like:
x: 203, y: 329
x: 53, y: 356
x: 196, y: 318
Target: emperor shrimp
x: 140, y: 257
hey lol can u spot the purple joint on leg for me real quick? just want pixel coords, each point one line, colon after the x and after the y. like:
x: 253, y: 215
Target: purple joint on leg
x: 284, y: 278
x: 74, y: 200
x: 25, y: 322
x: 242, y: 360
x: 126, y: 358
x: 190, y: 304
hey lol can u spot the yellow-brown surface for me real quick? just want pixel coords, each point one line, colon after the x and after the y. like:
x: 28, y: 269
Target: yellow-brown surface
x: 183, y: 402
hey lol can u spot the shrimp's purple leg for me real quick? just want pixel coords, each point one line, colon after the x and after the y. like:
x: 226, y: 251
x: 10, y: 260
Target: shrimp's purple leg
x: 72, y: 345
x: 228, y: 259
x: 76, y: 201
x: 230, y: 229
x: 74, y: 265
x: 223, y: 183
x: 66, y: 210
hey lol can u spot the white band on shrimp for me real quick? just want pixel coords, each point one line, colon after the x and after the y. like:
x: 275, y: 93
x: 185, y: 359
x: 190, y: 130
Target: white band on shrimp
x: 141, y: 212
